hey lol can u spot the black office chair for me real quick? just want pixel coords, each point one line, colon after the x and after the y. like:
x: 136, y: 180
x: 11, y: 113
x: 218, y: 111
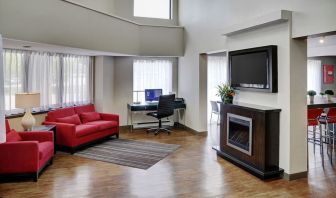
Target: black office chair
x: 165, y: 109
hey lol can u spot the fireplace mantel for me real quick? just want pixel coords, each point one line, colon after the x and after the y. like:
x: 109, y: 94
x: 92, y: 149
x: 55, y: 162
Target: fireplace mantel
x: 262, y: 159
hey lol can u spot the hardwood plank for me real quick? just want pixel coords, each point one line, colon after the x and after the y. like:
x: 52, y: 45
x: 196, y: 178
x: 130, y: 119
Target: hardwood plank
x: 194, y: 170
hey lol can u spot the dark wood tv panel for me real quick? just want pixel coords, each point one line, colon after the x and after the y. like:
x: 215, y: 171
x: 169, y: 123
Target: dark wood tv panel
x: 249, y: 138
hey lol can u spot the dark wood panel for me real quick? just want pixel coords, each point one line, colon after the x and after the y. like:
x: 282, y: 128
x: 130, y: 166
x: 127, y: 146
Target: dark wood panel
x: 265, y: 137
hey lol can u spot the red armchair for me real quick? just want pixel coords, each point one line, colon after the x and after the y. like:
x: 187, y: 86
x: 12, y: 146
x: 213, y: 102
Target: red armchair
x: 25, y: 153
x: 81, y: 125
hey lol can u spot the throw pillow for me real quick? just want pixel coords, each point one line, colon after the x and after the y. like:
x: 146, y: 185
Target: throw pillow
x: 90, y: 117
x: 13, y: 136
x: 74, y: 119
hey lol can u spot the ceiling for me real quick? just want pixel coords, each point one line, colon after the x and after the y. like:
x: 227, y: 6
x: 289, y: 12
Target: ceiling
x: 322, y: 46
x: 32, y: 46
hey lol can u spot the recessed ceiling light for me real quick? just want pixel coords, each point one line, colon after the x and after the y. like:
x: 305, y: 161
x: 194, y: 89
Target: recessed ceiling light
x: 321, y: 40
x: 26, y: 46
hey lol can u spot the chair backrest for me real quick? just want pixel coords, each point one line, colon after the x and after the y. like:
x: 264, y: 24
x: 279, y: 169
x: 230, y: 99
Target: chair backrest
x: 166, y: 106
x: 7, y: 126
x: 332, y: 112
x: 313, y: 114
x: 214, y: 106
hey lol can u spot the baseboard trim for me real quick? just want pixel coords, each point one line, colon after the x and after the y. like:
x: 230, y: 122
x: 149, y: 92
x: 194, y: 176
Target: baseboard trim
x: 193, y: 130
x: 295, y: 176
x: 177, y: 124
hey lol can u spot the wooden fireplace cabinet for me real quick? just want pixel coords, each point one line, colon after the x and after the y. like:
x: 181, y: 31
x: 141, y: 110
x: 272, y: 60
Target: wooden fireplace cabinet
x: 264, y: 159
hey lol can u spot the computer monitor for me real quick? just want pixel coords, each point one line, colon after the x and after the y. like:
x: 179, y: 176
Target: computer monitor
x: 152, y: 94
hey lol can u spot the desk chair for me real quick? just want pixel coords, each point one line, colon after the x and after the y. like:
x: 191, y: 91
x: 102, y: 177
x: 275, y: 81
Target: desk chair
x: 165, y: 109
x: 214, y: 110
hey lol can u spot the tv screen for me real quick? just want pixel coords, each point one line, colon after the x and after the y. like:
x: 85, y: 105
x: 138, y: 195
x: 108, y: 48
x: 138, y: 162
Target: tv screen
x: 254, y: 69
x: 152, y: 94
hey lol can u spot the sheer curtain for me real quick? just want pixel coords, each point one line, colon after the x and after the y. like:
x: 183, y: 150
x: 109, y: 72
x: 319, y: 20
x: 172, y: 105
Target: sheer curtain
x: 44, y: 75
x: 314, y: 78
x: 61, y: 80
x: 14, y: 77
x: 217, y: 74
x: 152, y: 74
x: 77, y: 78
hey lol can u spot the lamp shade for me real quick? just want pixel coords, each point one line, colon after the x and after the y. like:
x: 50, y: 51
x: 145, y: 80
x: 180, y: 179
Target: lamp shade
x: 27, y: 100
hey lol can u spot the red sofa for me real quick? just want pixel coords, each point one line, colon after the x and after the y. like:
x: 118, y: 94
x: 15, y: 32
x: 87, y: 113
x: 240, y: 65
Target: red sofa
x: 25, y: 153
x: 78, y: 126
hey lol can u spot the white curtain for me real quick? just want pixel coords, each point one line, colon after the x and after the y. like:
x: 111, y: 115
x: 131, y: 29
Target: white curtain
x: 77, y: 74
x: 217, y: 74
x: 44, y: 75
x: 14, y: 77
x: 2, y: 98
x: 152, y: 74
x: 314, y: 78
x: 61, y: 80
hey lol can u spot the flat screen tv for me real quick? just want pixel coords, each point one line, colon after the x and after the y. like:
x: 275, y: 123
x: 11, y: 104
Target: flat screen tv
x: 254, y: 69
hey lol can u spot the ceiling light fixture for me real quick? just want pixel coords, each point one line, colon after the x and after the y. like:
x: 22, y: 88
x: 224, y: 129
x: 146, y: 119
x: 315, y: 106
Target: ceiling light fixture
x: 26, y: 46
x: 321, y: 40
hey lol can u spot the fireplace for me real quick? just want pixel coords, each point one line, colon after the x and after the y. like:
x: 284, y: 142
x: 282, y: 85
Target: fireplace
x: 239, y: 133
x: 249, y: 138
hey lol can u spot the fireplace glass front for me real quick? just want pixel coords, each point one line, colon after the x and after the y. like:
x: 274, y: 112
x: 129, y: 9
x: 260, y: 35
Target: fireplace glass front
x: 239, y: 133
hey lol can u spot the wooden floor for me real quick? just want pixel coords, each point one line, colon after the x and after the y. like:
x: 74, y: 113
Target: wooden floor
x: 193, y: 170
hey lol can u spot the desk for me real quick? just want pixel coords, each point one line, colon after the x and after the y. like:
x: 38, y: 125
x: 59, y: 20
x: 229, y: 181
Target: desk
x: 320, y: 102
x: 149, y: 107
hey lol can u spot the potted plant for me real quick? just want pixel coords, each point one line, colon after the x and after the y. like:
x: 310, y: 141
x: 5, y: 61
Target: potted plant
x: 322, y: 94
x: 311, y: 94
x: 226, y: 92
x: 329, y: 93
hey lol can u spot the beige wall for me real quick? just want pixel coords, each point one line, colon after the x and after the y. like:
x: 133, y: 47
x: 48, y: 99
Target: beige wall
x: 62, y: 23
x: 15, y: 123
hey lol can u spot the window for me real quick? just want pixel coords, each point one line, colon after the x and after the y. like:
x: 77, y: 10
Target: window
x: 217, y: 74
x: 14, y: 77
x: 151, y: 74
x: 153, y: 8
x: 314, y: 75
x: 60, y: 79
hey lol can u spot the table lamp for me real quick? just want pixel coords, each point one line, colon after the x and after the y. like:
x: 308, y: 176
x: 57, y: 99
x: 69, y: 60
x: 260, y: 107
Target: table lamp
x: 27, y: 101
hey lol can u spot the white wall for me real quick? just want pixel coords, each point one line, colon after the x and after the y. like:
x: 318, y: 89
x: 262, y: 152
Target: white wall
x: 104, y: 84
x: 106, y: 6
x: 62, y: 23
x: 2, y: 99
x: 124, y: 9
x: 203, y: 33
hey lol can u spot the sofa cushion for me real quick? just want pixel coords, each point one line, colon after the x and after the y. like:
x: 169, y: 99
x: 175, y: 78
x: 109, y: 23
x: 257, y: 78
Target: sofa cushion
x: 60, y: 113
x: 90, y: 117
x: 103, y: 125
x: 85, y: 129
x: 13, y: 136
x: 85, y: 108
x: 74, y: 119
x: 45, y: 148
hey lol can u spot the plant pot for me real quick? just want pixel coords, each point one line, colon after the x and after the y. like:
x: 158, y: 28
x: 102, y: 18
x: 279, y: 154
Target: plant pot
x: 311, y: 99
x: 329, y: 97
x: 227, y: 100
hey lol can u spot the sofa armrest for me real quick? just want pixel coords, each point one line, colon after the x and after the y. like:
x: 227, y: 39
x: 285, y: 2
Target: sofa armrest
x: 110, y: 117
x: 19, y: 157
x: 41, y: 136
x: 65, y: 133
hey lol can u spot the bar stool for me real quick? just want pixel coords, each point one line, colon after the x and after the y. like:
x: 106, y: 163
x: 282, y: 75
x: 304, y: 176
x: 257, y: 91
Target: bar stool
x: 313, y: 116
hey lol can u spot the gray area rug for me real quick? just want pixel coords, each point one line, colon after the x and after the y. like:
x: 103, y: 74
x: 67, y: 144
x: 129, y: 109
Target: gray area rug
x: 137, y: 154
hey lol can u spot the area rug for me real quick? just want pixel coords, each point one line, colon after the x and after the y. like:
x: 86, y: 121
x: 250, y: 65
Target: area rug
x: 137, y: 154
